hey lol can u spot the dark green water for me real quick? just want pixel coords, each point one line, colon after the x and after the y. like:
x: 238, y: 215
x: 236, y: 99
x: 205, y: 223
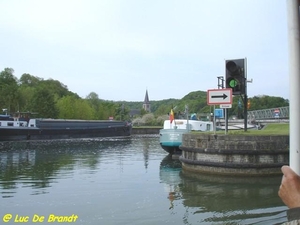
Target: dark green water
x: 124, y: 181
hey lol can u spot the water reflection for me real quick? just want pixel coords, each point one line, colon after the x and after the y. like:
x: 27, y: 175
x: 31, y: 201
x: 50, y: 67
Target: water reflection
x: 41, y: 163
x: 169, y: 174
x: 232, y: 198
x: 146, y: 148
x: 127, y: 181
x: 222, y: 199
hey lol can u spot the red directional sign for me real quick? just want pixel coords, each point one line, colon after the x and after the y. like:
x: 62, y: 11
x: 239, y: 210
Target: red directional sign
x: 219, y: 96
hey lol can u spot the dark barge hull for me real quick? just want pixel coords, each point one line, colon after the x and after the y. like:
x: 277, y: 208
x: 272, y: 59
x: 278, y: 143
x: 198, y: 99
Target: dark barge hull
x: 62, y: 129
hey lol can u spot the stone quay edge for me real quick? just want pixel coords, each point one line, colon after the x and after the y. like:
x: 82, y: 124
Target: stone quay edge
x: 234, y: 154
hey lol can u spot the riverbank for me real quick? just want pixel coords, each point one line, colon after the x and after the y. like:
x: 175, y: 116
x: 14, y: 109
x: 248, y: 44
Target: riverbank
x: 145, y: 130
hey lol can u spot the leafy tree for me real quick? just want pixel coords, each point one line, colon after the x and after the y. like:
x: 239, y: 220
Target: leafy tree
x: 267, y: 102
x: 163, y: 110
x: 29, y: 80
x: 93, y: 96
x: 160, y: 120
x: 122, y: 112
x: 138, y: 121
x: 71, y: 107
x: 43, y: 103
x: 9, y: 94
x: 65, y: 107
x: 57, y: 88
x: 143, y: 112
x: 29, y: 84
x: 155, y: 105
x: 83, y: 110
x: 94, y: 101
x: 25, y: 97
x: 107, y: 109
x: 149, y: 119
x: 257, y: 103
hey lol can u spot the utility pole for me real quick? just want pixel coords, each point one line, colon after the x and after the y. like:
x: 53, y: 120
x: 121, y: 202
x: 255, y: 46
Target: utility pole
x: 294, y: 75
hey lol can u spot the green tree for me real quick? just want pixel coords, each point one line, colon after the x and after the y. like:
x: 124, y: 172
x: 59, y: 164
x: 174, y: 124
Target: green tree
x: 83, y: 110
x: 9, y: 94
x: 65, y: 106
x: 71, y: 107
x: 122, y: 112
x: 108, y: 109
x: 26, y: 96
x: 43, y: 103
x: 149, y: 119
x: 95, y: 103
x: 143, y: 112
x: 29, y: 80
x: 163, y: 110
x: 56, y: 88
x: 267, y: 102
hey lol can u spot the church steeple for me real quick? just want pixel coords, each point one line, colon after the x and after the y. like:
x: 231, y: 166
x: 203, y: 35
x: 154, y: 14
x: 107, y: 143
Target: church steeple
x: 146, y: 105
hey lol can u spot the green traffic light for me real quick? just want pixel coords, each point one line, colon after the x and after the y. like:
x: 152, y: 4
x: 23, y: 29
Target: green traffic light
x: 233, y: 83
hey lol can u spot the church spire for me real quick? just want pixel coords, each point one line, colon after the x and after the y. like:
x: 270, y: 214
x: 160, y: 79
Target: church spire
x: 146, y: 105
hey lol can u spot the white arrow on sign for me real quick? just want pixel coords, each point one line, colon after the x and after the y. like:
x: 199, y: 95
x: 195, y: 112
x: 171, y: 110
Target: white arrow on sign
x: 219, y: 96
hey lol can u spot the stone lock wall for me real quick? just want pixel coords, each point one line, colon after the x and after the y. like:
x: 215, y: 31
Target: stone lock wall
x: 234, y: 154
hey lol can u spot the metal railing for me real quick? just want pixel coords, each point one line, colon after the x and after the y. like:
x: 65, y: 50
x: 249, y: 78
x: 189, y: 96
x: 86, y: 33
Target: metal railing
x: 274, y: 113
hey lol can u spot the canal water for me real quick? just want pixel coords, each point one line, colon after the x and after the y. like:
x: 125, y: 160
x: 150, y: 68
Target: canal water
x: 124, y: 181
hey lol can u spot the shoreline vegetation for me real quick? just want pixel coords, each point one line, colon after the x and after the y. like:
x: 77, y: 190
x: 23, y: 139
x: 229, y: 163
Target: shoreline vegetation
x: 269, y: 129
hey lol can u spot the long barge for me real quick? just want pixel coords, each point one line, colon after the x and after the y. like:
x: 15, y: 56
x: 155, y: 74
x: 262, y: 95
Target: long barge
x: 16, y: 129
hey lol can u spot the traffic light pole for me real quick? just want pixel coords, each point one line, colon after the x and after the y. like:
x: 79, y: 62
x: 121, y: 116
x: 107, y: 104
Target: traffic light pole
x: 245, y: 98
x: 221, y: 85
x: 245, y: 112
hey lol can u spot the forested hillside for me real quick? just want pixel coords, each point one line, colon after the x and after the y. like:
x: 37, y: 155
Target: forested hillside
x: 52, y: 99
x: 197, y: 103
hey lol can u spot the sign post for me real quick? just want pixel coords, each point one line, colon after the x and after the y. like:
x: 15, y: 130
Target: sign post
x: 222, y: 97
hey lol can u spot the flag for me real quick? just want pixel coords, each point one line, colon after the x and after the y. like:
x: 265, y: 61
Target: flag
x: 171, y: 116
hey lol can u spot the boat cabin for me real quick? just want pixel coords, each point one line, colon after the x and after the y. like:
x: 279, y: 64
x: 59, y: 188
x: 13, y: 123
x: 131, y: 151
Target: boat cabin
x: 17, y: 120
x: 196, y: 125
x: 14, y: 123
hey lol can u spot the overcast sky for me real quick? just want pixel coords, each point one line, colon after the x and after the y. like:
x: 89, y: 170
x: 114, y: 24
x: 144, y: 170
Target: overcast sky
x: 120, y: 48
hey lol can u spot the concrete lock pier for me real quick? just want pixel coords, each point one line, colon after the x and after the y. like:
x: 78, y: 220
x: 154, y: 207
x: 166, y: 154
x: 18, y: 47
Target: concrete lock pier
x: 234, y: 154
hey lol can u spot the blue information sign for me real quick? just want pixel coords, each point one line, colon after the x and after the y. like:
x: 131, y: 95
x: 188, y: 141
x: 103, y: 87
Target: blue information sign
x: 219, y: 113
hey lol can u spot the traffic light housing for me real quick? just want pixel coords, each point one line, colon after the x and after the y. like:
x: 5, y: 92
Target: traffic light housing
x: 248, y: 104
x: 235, y: 76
